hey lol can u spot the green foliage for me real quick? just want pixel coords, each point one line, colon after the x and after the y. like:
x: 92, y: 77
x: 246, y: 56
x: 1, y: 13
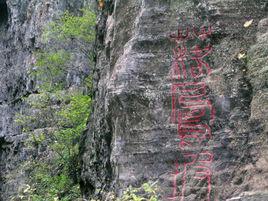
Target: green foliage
x: 73, y: 27
x: 88, y: 82
x: 77, y: 108
x: 49, y: 188
x: 50, y: 69
x: 53, y: 172
x: 56, y: 115
x: 148, y: 192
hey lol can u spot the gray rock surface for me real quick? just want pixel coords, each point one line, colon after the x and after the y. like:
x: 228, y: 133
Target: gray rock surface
x: 130, y: 139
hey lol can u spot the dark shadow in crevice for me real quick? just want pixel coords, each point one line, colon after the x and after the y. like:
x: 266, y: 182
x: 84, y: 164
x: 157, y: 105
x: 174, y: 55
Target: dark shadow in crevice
x: 3, y: 150
x: 3, y: 14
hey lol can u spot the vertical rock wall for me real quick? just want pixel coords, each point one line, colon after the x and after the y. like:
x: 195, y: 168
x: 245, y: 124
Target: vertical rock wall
x: 21, y: 23
x: 130, y: 139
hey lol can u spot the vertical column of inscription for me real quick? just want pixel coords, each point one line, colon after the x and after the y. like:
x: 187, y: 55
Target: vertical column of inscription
x: 192, y: 112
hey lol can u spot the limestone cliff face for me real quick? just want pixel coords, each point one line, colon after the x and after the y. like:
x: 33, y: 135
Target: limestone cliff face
x: 21, y: 23
x: 130, y: 138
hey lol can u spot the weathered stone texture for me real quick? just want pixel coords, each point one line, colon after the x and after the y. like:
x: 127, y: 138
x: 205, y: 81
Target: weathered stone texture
x: 130, y: 139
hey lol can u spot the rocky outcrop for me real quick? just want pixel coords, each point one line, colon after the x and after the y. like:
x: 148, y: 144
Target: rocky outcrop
x: 130, y: 139
x: 21, y: 24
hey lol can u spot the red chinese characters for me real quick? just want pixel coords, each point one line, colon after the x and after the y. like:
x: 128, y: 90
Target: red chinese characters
x: 192, y: 111
x: 195, y: 169
x: 196, y: 55
x: 190, y: 103
x: 192, y: 32
x: 189, y: 107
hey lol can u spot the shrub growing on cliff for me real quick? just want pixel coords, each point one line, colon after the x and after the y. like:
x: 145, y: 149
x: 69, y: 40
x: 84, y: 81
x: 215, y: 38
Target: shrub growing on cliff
x: 78, y: 31
x: 147, y: 192
x: 70, y: 27
x: 50, y: 69
x: 54, y: 171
